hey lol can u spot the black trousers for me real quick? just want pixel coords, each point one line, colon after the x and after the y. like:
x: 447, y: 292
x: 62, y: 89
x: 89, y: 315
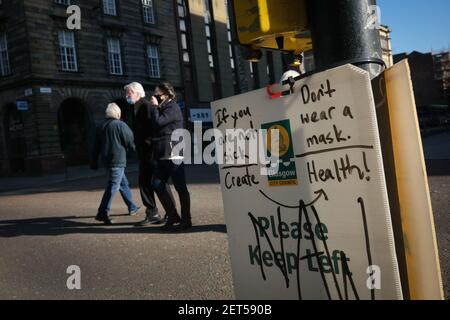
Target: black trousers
x: 146, y: 175
x: 166, y: 169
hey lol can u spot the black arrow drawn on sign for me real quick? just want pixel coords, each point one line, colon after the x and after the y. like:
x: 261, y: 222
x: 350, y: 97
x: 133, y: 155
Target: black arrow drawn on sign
x: 320, y: 193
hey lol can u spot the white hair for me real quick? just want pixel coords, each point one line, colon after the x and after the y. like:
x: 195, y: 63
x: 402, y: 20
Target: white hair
x: 113, y: 111
x: 137, y: 88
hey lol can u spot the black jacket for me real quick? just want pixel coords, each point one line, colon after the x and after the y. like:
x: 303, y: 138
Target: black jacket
x: 143, y: 129
x: 112, y: 141
x: 166, y: 119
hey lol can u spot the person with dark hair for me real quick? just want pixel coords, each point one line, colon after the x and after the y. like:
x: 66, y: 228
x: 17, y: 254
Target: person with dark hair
x: 143, y: 131
x: 166, y: 118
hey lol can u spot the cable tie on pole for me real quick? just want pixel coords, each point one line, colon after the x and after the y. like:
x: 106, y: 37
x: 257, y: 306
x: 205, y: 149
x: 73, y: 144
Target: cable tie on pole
x: 291, y: 84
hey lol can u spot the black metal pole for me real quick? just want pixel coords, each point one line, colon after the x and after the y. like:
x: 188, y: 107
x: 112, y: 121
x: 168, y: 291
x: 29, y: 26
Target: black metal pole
x: 344, y: 30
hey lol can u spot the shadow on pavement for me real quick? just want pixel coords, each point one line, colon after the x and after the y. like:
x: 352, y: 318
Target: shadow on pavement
x: 66, y: 225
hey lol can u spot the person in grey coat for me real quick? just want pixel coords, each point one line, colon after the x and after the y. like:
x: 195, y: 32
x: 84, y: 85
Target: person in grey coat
x: 112, y: 141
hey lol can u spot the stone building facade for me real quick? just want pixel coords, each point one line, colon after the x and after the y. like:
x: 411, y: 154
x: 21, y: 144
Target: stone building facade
x: 55, y: 82
x: 212, y: 64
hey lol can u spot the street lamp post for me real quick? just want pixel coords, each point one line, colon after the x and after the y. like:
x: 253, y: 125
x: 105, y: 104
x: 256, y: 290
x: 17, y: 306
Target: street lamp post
x: 346, y: 31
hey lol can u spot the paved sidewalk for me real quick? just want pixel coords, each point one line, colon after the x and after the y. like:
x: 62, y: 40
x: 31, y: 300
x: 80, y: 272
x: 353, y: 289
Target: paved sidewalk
x: 15, y: 185
x: 72, y: 174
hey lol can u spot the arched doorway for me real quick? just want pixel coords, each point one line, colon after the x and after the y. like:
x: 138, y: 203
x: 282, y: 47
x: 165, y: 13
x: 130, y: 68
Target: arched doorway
x: 15, y: 139
x: 74, y: 125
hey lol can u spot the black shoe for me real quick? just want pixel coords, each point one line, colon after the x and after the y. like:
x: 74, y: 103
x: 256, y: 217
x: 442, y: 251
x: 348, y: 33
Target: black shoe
x: 106, y: 220
x: 156, y: 219
x: 134, y: 212
x: 171, y: 223
x: 182, y: 226
x: 101, y: 217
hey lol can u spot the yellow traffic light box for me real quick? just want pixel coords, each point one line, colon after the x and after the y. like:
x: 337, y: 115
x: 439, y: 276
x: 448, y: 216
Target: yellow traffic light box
x: 273, y: 24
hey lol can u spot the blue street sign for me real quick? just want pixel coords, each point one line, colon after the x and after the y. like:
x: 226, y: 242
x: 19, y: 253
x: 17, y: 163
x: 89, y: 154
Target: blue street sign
x: 22, y: 105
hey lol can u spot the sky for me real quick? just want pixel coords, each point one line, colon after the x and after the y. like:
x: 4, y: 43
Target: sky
x: 421, y: 25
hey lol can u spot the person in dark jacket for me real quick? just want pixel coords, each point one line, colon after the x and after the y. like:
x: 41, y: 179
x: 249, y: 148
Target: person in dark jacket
x: 112, y: 141
x: 143, y: 132
x: 167, y: 117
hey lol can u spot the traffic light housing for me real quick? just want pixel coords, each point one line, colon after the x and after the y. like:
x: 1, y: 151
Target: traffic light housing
x: 272, y: 24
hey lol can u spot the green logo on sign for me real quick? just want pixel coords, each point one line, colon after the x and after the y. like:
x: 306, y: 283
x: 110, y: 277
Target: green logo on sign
x: 286, y: 173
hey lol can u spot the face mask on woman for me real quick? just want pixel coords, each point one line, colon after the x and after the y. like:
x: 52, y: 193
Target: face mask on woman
x: 159, y: 99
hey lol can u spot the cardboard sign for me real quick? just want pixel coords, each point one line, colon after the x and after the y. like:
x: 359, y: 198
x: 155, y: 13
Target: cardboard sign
x: 319, y: 227
x: 421, y: 250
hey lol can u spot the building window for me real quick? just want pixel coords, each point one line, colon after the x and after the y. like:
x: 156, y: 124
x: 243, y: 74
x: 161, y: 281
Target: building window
x: 207, y: 16
x: 115, y: 57
x: 182, y: 16
x: 270, y: 67
x: 153, y: 61
x: 210, y: 45
x: 65, y: 2
x: 148, y: 11
x: 67, y: 51
x: 232, y: 55
x: 109, y: 7
x: 4, y: 59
